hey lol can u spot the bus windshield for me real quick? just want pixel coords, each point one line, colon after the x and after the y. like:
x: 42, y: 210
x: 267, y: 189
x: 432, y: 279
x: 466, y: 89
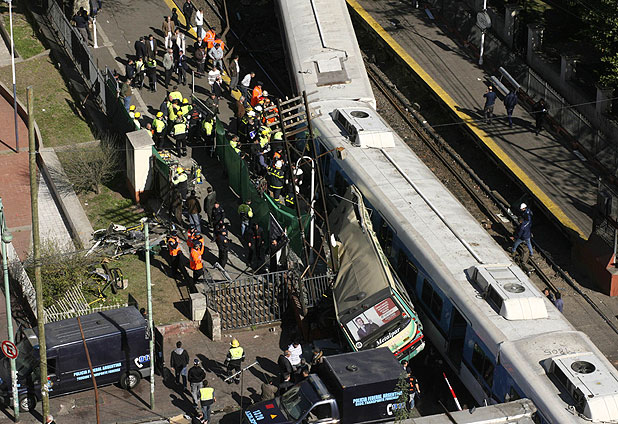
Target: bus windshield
x: 368, y: 322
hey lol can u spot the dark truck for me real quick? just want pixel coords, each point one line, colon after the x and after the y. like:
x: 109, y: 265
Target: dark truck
x: 117, y: 342
x: 357, y: 387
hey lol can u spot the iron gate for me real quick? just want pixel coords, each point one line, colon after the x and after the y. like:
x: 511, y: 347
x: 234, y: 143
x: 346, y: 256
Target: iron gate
x: 257, y: 299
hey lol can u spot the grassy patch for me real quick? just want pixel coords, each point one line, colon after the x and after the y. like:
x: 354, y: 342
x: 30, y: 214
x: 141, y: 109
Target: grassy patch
x: 54, y: 109
x: 167, y: 297
x: 26, y: 42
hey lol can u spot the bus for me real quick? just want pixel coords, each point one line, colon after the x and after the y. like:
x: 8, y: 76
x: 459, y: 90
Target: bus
x: 372, y: 307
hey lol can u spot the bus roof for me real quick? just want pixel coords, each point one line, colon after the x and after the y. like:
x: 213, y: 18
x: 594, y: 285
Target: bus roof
x: 363, y: 271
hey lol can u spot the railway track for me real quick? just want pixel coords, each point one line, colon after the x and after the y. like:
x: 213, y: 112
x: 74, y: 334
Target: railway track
x: 494, y: 208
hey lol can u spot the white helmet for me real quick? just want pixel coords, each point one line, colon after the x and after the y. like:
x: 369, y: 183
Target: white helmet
x: 279, y: 164
x: 523, y: 206
x: 251, y: 113
x: 258, y: 108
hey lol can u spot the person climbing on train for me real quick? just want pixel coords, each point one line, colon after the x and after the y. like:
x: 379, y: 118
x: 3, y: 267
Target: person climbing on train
x: 525, y: 212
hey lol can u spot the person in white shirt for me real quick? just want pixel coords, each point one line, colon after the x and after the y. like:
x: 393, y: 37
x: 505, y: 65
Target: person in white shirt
x: 180, y: 40
x: 296, y: 352
x: 245, y: 84
x: 213, y: 74
x: 199, y: 22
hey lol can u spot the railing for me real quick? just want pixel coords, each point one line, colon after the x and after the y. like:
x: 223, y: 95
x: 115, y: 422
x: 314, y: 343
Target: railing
x: 315, y: 288
x: 74, y: 304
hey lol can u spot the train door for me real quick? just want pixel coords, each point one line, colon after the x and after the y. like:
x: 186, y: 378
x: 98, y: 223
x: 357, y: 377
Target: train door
x: 456, y: 337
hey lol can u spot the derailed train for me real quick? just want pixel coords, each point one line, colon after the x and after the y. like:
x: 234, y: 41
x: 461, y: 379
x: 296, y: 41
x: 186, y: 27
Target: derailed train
x: 497, y: 331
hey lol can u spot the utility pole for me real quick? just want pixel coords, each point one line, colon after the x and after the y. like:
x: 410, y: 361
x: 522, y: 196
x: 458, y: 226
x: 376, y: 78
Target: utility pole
x: 36, y: 243
x: 150, y: 322
x: 7, y: 237
x: 13, y: 72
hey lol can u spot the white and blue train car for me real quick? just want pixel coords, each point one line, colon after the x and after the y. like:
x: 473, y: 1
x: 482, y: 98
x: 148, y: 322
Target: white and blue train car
x: 496, y: 330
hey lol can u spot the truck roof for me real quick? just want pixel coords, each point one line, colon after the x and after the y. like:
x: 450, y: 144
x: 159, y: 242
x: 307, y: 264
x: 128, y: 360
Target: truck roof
x: 95, y: 325
x: 364, y: 367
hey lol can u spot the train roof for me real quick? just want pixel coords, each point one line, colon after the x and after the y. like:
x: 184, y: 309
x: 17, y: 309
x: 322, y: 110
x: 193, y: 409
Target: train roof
x: 322, y: 50
x: 362, y: 268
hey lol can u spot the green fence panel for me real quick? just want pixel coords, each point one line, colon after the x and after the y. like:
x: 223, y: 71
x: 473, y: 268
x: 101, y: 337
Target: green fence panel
x: 241, y: 183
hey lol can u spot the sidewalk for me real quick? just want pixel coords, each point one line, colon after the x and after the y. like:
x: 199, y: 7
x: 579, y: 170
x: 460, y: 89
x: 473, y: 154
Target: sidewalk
x: 556, y: 176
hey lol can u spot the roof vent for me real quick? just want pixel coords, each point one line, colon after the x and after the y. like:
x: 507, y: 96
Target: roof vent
x: 591, y: 384
x: 364, y: 127
x: 509, y: 290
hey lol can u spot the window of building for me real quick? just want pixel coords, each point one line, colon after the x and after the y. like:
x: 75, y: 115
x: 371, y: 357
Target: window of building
x: 483, y: 364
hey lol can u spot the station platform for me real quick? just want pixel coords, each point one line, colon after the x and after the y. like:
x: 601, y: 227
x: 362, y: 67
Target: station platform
x: 560, y: 182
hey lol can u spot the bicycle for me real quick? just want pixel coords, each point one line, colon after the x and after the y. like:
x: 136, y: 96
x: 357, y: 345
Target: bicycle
x: 102, y: 279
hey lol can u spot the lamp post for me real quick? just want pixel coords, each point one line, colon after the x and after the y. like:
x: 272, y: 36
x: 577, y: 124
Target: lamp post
x: 483, y: 21
x: 7, y: 237
x: 10, y: 2
x: 150, y: 320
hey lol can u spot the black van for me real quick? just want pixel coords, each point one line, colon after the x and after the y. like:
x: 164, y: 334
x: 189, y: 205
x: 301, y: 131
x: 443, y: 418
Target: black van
x: 118, y: 344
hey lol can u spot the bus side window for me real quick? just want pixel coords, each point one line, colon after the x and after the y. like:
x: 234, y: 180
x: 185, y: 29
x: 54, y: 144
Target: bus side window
x: 406, y: 270
x: 432, y: 299
x: 483, y: 364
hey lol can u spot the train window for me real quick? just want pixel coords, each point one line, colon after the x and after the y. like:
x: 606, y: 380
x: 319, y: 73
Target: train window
x: 431, y: 299
x: 406, y: 270
x: 483, y: 364
x: 385, y: 236
x: 327, y: 166
x: 340, y: 184
x: 512, y: 395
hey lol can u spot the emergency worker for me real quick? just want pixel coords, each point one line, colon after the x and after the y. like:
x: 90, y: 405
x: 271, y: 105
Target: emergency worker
x: 159, y: 125
x: 276, y: 180
x: 234, y: 358
x: 195, y: 261
x: 179, y: 131
x: 173, y: 248
x: 245, y: 213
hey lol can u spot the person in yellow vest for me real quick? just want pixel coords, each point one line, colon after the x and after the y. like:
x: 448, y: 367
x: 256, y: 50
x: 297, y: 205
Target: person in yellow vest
x: 208, y: 125
x: 207, y: 398
x: 186, y: 107
x: 245, y: 213
x: 234, y: 357
x: 175, y: 94
x: 234, y: 144
x: 159, y: 129
x: 136, y: 121
x: 179, y: 131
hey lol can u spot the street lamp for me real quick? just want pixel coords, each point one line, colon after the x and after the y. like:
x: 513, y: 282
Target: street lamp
x: 10, y: 2
x: 7, y: 237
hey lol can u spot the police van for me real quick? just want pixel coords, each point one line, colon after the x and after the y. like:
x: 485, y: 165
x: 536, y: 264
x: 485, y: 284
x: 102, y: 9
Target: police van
x: 357, y: 387
x: 118, y: 344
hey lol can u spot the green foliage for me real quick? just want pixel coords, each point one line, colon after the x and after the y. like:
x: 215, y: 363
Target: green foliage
x: 403, y: 385
x: 60, y: 270
x: 602, y: 21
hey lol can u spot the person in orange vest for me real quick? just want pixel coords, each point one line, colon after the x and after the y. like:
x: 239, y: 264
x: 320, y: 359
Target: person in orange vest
x: 209, y: 37
x: 256, y: 94
x: 173, y: 248
x: 195, y: 261
x: 274, y: 110
x: 190, y: 240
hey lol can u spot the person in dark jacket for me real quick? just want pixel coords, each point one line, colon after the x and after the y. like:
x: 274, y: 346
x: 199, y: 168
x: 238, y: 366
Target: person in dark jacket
x: 179, y: 360
x: 525, y: 212
x: 539, y: 111
x: 285, y: 385
x: 510, y: 101
x: 194, y: 208
x: 196, y: 375
x: 285, y: 366
x: 254, y: 237
x: 559, y: 303
x: 490, y: 101
x: 187, y: 10
x: 218, y: 214
x: 223, y: 244
x: 523, y: 235
x: 140, y: 48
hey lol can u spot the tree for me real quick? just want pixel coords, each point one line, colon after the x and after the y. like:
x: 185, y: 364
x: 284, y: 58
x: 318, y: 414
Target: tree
x: 403, y: 386
x: 602, y: 19
x: 92, y: 166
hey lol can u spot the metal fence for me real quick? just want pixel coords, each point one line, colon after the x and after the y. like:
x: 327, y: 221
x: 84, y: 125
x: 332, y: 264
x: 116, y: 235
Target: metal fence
x: 101, y: 85
x: 74, y: 304
x: 260, y: 299
x: 594, y: 141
